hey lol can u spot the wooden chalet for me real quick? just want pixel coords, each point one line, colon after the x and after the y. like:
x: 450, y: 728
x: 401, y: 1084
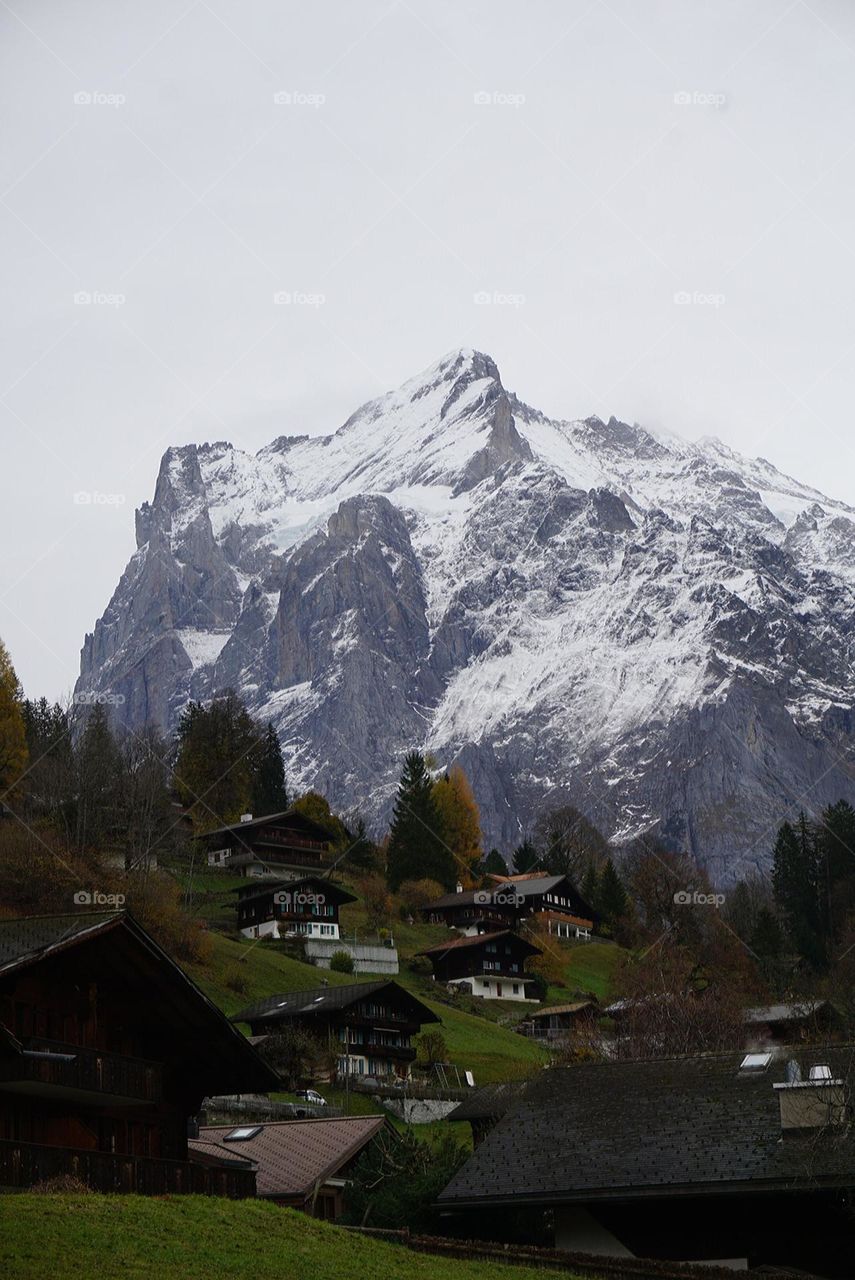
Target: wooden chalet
x: 741, y: 1160
x: 303, y: 1164
x: 285, y: 845
x: 371, y: 1025
x: 802, y: 1020
x: 304, y: 908
x: 490, y: 965
x: 557, y: 1021
x: 508, y: 900
x: 106, y: 1051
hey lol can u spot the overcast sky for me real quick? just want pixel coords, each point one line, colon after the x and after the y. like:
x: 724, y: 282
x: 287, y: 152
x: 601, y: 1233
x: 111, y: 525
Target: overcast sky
x: 583, y: 163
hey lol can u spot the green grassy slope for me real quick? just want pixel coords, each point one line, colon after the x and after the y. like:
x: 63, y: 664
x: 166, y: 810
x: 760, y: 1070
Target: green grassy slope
x: 193, y: 1237
x: 478, y: 1033
x: 475, y: 1043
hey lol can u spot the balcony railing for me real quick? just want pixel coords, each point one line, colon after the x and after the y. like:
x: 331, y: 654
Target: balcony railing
x: 56, y: 1066
x: 404, y: 1053
x: 22, y: 1164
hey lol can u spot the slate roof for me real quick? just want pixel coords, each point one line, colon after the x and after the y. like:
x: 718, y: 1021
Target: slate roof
x: 293, y: 815
x: 23, y: 940
x: 784, y: 1012
x: 525, y: 887
x: 477, y: 940
x: 490, y: 1101
x: 322, y: 999
x: 626, y: 1130
x: 292, y: 1156
x: 334, y: 891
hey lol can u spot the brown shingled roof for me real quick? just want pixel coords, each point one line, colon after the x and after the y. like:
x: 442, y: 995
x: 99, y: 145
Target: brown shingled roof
x: 293, y: 1156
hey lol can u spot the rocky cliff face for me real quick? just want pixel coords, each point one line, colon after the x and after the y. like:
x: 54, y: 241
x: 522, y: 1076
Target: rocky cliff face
x: 659, y: 632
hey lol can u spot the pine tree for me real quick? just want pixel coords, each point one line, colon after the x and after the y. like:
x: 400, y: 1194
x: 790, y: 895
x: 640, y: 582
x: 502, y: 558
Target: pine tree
x: 612, y: 895
x: 766, y: 940
x: 494, y: 864
x: 217, y: 747
x: 590, y: 887
x: 795, y: 880
x: 269, y: 794
x: 417, y: 849
x: 835, y: 842
x: 51, y: 789
x: 13, y: 739
x: 525, y: 857
x: 97, y: 771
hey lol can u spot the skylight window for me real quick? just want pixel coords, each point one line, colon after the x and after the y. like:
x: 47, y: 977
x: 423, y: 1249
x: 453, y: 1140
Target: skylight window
x: 244, y: 1134
x: 755, y: 1062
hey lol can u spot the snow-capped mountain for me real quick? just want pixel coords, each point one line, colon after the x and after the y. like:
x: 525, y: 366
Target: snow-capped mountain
x: 578, y: 611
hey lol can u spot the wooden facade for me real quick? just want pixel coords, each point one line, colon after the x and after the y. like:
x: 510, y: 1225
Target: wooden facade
x: 308, y: 907
x: 490, y: 965
x: 285, y: 844
x: 371, y: 1025
x: 106, y: 1051
x: 505, y: 902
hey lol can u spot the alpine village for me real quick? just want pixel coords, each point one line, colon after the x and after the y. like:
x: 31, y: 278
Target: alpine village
x: 215, y: 992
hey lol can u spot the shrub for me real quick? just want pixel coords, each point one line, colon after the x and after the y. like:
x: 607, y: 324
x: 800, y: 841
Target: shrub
x: 431, y: 1048
x: 415, y: 894
x: 341, y: 962
x: 421, y: 965
x: 294, y: 1053
x: 237, y: 980
x: 64, y: 1184
x: 397, y: 1179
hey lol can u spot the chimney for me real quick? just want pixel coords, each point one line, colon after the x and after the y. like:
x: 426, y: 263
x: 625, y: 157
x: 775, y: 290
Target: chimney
x: 246, y: 817
x: 815, y: 1103
x: 458, y: 887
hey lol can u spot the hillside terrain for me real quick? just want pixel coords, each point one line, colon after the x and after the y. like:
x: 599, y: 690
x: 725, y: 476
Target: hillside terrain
x: 580, y: 612
x: 94, y: 1237
x: 478, y: 1033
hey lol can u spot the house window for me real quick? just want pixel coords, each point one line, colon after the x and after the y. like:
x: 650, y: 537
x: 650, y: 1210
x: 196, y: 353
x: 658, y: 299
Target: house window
x: 516, y: 988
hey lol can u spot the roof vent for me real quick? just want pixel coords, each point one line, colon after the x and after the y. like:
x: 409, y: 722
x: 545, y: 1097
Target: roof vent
x: 820, y: 1072
x: 794, y: 1072
x: 246, y: 817
x: 458, y: 887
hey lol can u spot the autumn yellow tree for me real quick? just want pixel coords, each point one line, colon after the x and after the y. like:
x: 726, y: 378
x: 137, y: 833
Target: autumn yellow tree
x: 461, y: 820
x: 13, y: 738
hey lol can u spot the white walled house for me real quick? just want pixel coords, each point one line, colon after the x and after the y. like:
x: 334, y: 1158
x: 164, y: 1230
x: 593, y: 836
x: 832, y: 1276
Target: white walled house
x: 305, y: 908
x: 488, y: 965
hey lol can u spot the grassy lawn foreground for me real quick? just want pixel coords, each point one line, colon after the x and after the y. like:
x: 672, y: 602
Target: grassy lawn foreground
x: 193, y: 1238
